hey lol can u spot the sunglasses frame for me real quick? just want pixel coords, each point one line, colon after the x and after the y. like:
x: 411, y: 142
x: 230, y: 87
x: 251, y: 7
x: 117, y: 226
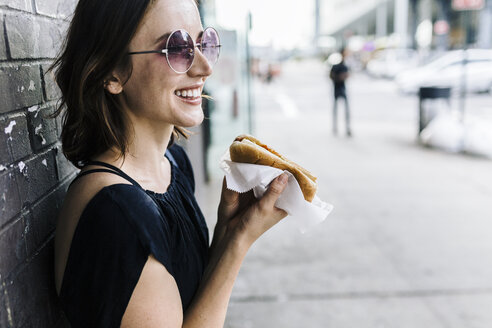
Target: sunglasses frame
x: 195, y: 45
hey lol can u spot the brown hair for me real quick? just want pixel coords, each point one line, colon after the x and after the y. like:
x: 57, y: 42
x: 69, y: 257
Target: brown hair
x: 96, y: 44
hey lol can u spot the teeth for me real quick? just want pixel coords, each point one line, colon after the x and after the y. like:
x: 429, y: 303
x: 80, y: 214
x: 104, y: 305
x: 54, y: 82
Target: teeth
x: 191, y: 93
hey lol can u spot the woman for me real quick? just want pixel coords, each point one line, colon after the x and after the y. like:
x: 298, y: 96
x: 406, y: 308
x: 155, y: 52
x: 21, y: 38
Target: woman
x: 131, y: 246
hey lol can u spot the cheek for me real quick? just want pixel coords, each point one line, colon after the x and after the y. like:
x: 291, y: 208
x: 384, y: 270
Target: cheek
x: 151, y: 79
x: 158, y: 74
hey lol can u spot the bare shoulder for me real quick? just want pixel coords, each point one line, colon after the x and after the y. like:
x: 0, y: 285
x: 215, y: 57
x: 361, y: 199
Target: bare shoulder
x: 78, y: 196
x: 85, y: 188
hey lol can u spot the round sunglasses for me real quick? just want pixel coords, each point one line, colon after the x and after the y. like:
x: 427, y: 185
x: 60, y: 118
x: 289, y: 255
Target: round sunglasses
x: 180, y: 49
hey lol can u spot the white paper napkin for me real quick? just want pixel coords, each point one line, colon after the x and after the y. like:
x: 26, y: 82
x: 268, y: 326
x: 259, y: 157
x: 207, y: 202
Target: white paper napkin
x: 242, y: 177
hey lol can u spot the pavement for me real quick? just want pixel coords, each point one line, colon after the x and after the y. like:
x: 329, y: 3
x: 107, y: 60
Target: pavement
x: 409, y: 242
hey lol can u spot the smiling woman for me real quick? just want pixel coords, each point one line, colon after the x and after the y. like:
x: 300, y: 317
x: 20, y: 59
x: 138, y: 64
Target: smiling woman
x: 131, y: 245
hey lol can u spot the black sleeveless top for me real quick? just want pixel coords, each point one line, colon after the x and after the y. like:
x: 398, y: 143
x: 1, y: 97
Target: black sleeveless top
x: 119, y: 228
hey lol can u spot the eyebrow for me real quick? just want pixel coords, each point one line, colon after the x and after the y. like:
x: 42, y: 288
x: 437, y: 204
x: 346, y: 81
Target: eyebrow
x: 162, y: 38
x: 166, y: 35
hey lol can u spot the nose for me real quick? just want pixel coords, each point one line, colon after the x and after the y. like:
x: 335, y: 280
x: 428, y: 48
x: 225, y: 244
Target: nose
x: 201, y: 66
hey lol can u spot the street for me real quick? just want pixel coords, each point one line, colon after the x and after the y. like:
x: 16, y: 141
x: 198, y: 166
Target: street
x: 409, y: 242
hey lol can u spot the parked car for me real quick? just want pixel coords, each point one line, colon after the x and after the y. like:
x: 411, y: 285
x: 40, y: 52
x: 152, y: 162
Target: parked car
x: 388, y: 63
x: 447, y: 71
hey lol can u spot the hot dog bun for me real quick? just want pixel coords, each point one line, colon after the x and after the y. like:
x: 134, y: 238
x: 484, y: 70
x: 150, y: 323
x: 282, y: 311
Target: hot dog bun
x: 248, y: 149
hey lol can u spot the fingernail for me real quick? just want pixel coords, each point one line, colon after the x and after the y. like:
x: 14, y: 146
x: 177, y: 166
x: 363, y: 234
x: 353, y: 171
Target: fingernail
x: 283, y: 178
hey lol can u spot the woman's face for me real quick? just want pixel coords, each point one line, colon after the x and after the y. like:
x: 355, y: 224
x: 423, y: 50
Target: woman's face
x: 151, y: 92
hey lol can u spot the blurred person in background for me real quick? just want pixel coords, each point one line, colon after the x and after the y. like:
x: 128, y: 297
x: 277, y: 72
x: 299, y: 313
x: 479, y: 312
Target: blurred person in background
x: 132, y: 246
x: 339, y: 73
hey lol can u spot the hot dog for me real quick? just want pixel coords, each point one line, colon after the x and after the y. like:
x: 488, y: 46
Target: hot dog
x: 248, y: 149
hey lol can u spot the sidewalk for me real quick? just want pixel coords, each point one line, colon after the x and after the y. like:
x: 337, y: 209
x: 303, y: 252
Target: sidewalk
x: 409, y: 241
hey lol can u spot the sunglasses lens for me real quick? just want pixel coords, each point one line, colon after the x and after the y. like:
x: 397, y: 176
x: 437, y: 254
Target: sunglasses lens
x: 181, y: 51
x: 210, y: 42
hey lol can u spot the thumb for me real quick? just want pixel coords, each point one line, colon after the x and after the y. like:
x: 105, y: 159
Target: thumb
x: 276, y: 188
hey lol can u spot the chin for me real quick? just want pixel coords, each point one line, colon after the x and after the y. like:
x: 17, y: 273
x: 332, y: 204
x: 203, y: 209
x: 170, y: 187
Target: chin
x: 193, y: 121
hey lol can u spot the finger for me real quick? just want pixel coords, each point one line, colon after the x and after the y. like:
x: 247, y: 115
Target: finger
x: 276, y: 188
x: 228, y: 196
x: 229, y: 200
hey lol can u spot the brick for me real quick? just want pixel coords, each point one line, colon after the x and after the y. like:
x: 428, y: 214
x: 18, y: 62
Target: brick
x: 14, y: 139
x: 21, y: 87
x: 10, y: 203
x: 3, y: 46
x: 37, y: 177
x: 5, y: 155
x: 42, y: 221
x: 64, y: 166
x: 3, y: 309
x: 5, y: 314
x: 13, y: 246
x: 55, y: 8
x: 42, y: 128
x: 32, y: 37
x: 19, y: 138
x: 64, y: 188
x: 51, y: 90
x: 32, y: 294
x: 17, y: 4
x: 4, y: 321
x: 59, y: 123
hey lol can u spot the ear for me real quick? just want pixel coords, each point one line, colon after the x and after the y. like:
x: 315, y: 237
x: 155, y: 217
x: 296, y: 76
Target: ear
x: 113, y: 85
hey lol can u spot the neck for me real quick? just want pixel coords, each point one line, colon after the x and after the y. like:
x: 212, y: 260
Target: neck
x: 148, y: 145
x: 144, y: 160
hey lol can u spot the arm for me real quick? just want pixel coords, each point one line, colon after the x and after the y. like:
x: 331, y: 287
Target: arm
x: 242, y: 219
x: 332, y: 75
